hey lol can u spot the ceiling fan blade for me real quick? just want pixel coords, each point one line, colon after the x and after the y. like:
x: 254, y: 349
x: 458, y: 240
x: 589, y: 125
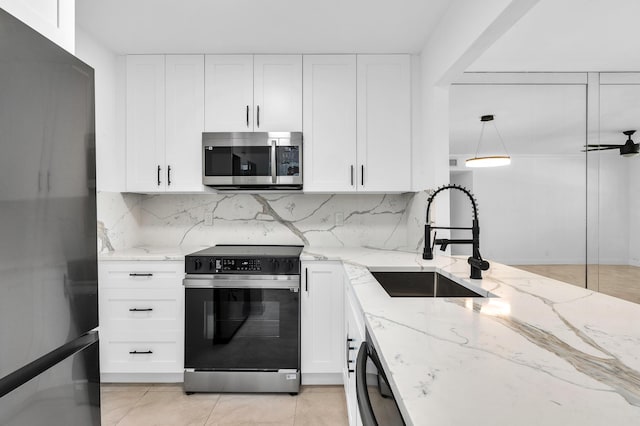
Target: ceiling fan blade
x: 603, y: 149
x: 604, y: 144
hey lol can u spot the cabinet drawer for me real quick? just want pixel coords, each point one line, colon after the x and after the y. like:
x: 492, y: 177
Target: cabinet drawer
x: 137, y: 309
x: 137, y: 274
x: 159, y: 352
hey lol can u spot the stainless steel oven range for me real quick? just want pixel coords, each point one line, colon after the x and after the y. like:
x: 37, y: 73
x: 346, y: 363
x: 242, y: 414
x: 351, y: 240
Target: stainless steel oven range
x: 242, y: 319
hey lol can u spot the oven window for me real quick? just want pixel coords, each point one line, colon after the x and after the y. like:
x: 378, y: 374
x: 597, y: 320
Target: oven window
x: 237, y: 161
x: 288, y: 160
x: 240, y: 329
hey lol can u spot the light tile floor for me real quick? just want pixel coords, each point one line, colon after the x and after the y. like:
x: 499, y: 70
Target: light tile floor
x: 159, y: 405
x: 621, y: 281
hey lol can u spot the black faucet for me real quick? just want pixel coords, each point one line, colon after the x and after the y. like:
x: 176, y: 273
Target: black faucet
x: 477, y: 263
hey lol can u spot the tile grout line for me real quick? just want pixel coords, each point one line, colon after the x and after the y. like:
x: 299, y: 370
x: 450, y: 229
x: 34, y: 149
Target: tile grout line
x: 134, y: 405
x: 212, y: 408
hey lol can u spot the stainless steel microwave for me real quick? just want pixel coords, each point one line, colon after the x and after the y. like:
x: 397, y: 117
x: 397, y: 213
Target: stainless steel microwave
x: 252, y: 160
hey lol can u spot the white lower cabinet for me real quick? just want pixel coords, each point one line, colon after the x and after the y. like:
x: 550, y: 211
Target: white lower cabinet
x: 141, y: 308
x: 354, y: 335
x: 322, y: 322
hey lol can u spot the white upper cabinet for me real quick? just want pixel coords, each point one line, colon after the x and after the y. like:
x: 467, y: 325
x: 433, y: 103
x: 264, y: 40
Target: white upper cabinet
x: 329, y: 120
x: 184, y: 122
x: 357, y: 123
x: 261, y: 93
x: 54, y: 19
x: 145, y: 123
x: 165, y: 120
x: 384, y: 123
x: 277, y: 93
x: 229, y: 93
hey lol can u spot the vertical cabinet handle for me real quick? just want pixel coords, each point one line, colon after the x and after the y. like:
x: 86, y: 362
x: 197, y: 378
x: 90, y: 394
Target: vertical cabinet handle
x: 362, y: 175
x: 258, y: 116
x: 352, y: 175
x: 159, y: 169
x: 306, y: 280
x: 247, y: 115
x: 169, y: 175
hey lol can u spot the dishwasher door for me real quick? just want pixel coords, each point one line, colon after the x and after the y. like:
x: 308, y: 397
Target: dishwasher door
x: 376, y: 402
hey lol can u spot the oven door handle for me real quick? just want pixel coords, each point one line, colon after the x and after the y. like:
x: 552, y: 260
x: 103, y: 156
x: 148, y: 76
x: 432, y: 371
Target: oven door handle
x: 364, y: 403
x: 269, y: 284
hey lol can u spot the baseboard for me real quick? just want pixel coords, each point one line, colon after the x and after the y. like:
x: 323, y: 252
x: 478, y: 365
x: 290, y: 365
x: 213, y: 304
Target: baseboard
x: 322, y: 379
x: 142, y: 377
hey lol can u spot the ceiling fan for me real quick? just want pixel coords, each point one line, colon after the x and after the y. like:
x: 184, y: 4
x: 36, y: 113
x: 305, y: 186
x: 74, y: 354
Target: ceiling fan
x: 628, y: 149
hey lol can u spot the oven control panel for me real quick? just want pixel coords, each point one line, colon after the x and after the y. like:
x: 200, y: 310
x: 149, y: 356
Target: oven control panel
x: 239, y: 265
x: 228, y: 265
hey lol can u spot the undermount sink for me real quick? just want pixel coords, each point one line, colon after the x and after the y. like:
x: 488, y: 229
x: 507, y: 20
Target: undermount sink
x: 421, y: 284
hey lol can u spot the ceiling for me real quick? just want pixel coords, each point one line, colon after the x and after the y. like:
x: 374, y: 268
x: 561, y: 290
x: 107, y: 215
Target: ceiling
x: 569, y: 35
x: 532, y: 119
x: 260, y: 26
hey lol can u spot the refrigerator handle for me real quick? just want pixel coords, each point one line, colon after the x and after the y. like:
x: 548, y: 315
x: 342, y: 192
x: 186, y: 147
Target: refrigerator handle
x: 45, y: 362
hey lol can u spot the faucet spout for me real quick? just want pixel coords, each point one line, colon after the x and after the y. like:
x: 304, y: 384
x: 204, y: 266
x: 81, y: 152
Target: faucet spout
x: 477, y: 263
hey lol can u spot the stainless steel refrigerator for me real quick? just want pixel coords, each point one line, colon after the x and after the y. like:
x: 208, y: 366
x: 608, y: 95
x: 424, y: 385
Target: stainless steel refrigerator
x: 49, y: 370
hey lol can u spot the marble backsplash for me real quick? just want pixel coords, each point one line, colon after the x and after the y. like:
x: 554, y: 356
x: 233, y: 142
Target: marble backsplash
x: 386, y: 221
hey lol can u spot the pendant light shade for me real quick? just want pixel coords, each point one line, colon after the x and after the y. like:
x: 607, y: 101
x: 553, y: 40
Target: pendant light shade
x: 489, y: 160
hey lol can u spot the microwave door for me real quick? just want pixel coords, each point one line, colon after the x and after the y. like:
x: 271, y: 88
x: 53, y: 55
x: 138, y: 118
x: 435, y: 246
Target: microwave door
x: 237, y: 165
x: 288, y: 164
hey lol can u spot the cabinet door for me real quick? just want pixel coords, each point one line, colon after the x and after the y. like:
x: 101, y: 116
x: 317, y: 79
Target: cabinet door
x: 54, y: 19
x: 277, y: 93
x: 145, y: 123
x: 384, y: 123
x: 322, y: 316
x: 228, y: 93
x: 329, y: 121
x: 184, y: 122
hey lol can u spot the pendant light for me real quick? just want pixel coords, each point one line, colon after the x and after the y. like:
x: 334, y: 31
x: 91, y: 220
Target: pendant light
x: 491, y: 160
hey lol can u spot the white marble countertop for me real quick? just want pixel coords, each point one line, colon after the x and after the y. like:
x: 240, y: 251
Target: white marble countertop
x: 541, y: 353
x: 149, y: 253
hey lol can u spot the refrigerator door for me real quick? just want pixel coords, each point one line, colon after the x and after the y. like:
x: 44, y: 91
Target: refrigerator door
x: 67, y: 393
x: 48, y: 260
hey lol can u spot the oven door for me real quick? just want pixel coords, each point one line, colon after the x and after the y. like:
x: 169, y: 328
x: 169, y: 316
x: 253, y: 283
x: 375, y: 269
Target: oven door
x: 242, y: 323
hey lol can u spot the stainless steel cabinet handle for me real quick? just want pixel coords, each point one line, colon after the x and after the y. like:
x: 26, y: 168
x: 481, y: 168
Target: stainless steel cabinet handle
x: 140, y: 352
x: 352, y: 175
x: 247, y: 115
x: 136, y: 274
x: 258, y: 116
x: 169, y: 175
x: 140, y: 309
x: 274, y: 169
x: 362, y: 175
x: 159, y: 169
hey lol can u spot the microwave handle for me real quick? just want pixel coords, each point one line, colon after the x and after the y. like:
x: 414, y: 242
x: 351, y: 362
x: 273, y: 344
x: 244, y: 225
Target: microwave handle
x: 274, y: 178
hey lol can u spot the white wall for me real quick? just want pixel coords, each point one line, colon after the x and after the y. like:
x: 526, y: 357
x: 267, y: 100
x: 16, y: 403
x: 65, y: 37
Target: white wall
x: 633, y: 181
x: 109, y: 94
x: 533, y: 212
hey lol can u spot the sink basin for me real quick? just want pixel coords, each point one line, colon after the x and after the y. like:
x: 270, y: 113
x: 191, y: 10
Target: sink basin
x: 421, y: 284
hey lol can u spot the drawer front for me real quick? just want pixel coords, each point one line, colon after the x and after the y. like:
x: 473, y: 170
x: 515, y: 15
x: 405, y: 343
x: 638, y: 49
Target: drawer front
x: 159, y: 352
x: 138, y: 309
x: 137, y: 274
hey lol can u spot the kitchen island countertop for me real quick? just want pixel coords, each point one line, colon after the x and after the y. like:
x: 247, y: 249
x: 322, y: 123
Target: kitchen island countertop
x: 540, y: 353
